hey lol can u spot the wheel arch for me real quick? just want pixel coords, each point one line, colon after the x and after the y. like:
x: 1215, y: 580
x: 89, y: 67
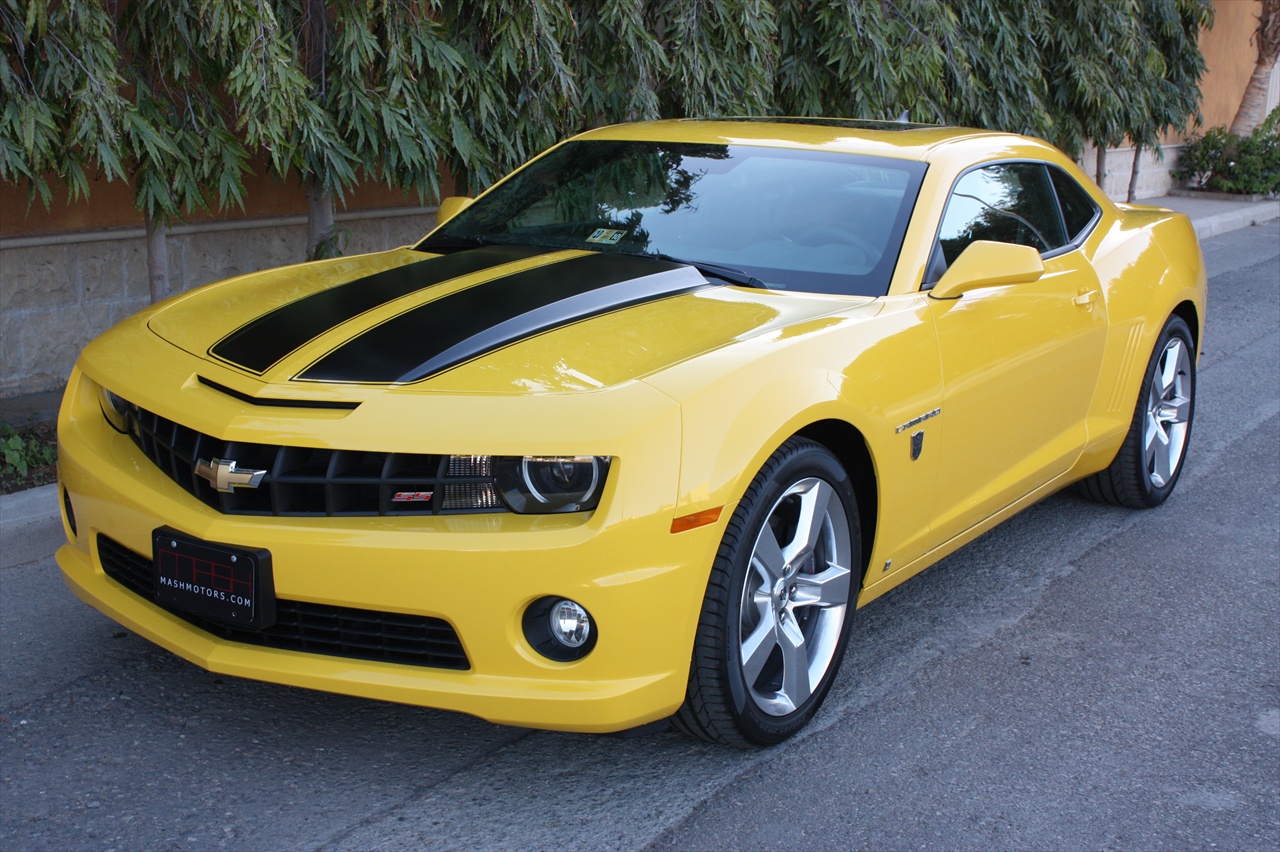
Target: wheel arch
x: 1129, y: 478
x: 1187, y: 311
x: 1185, y: 279
x: 847, y: 444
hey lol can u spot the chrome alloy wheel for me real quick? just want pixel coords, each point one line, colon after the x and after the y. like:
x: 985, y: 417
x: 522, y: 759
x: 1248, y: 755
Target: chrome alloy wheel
x: 795, y: 596
x: 1168, y: 413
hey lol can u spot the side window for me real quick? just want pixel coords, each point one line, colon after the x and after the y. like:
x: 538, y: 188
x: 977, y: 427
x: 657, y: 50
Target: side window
x: 1078, y: 209
x: 1006, y: 203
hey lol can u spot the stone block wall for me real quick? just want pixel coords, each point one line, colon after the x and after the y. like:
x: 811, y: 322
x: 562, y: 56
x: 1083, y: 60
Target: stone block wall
x: 57, y: 293
x: 1154, y: 179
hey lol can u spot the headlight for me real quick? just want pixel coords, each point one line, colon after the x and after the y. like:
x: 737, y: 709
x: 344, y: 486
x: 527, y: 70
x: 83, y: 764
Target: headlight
x: 547, y: 484
x: 115, y: 408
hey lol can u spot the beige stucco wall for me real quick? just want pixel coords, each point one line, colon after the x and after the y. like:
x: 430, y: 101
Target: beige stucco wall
x: 1229, y: 58
x: 58, y: 292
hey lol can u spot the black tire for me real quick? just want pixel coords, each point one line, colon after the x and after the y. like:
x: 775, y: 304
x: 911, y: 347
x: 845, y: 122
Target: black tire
x: 800, y: 480
x: 1165, y: 410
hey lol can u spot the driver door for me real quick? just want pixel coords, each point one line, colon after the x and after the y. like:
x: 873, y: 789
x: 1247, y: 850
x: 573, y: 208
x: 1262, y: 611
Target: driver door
x: 1019, y: 361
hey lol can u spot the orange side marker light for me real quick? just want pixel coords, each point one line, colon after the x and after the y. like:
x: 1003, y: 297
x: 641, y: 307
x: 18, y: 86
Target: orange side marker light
x: 697, y: 519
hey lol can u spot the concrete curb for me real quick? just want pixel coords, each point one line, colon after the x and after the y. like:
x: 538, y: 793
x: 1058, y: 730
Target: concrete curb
x: 29, y: 522
x: 1234, y: 220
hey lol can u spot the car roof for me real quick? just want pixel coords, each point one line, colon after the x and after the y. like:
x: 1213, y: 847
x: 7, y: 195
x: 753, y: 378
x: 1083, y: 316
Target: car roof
x: 853, y: 136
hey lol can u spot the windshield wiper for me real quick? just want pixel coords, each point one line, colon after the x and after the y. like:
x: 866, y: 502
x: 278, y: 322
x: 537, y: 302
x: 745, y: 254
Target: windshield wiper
x: 445, y: 243
x: 714, y: 270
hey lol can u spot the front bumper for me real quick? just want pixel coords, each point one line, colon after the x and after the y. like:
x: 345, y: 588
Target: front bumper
x: 642, y: 585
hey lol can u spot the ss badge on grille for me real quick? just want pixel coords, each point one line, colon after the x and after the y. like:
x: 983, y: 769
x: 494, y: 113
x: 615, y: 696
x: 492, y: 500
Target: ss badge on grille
x: 223, y: 475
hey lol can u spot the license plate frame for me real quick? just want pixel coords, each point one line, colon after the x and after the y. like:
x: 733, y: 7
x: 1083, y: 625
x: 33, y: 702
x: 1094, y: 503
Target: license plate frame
x: 227, y: 583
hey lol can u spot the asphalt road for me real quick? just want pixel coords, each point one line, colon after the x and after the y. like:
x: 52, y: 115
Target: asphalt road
x: 1082, y: 677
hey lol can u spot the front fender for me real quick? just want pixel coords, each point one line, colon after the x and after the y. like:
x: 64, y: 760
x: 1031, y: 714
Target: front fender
x: 872, y: 369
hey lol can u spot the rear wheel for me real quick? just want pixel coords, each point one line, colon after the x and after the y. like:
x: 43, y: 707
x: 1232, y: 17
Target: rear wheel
x: 776, y: 615
x: 1147, y: 467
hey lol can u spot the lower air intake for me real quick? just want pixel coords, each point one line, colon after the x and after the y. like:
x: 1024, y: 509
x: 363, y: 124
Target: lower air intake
x: 336, y: 631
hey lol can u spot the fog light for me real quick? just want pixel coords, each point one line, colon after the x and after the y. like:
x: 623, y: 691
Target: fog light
x: 560, y: 629
x: 570, y: 624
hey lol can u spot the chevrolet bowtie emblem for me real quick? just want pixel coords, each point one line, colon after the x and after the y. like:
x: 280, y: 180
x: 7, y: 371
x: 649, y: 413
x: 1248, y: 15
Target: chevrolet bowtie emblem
x: 222, y: 475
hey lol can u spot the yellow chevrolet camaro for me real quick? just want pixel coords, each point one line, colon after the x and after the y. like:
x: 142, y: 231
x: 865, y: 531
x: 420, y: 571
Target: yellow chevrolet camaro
x: 630, y: 436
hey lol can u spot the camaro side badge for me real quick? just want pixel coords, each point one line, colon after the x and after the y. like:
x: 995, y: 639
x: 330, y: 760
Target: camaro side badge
x: 223, y: 475
x: 916, y: 421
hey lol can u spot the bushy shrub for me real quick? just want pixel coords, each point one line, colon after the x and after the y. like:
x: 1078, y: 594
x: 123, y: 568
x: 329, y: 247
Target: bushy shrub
x: 28, y: 456
x: 1223, y: 162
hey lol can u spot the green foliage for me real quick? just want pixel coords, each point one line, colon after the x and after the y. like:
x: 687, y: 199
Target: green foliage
x: 145, y: 93
x: 1121, y: 68
x: 1092, y: 56
x: 865, y: 60
x: 720, y: 53
x: 1223, y: 162
x: 938, y: 62
x: 1202, y: 155
x: 378, y: 78
x: 180, y: 95
x: 1174, y: 29
x: 23, y: 450
x: 994, y: 77
x: 63, y: 112
x: 517, y: 91
x: 620, y: 63
x: 179, y: 143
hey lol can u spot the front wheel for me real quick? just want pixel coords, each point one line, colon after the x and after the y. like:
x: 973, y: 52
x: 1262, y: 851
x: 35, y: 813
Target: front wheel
x: 1150, y: 460
x: 776, y: 615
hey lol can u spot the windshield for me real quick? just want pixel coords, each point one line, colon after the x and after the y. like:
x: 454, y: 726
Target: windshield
x: 810, y: 221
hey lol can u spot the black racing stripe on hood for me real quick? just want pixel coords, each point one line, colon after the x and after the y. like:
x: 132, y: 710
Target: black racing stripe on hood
x: 261, y: 342
x: 463, y: 325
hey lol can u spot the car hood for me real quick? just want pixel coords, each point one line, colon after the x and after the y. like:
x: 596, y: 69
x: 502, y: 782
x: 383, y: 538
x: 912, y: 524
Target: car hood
x: 497, y: 319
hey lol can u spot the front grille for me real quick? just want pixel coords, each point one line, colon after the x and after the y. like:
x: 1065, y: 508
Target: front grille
x: 336, y: 631
x: 309, y: 482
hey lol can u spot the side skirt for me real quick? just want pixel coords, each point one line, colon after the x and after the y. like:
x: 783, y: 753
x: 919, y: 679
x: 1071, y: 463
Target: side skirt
x: 874, y: 590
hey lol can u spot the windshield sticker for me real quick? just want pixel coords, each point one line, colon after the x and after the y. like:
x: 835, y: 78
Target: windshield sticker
x: 606, y: 236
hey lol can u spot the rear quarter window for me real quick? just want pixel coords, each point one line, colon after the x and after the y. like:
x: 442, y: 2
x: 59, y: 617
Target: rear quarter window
x: 1078, y: 209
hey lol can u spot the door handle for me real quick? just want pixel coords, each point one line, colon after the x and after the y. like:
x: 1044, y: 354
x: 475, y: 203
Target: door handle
x: 1086, y: 299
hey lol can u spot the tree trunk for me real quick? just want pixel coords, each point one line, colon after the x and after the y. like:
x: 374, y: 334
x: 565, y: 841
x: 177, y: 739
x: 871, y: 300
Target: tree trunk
x: 1254, y: 101
x: 1101, y: 169
x: 321, y: 240
x: 157, y: 258
x: 1267, y: 37
x: 1133, y: 176
x: 315, y: 40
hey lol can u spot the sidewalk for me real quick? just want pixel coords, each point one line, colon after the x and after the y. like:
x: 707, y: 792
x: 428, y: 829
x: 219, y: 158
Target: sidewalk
x: 29, y: 520
x: 30, y: 525
x: 1213, y: 216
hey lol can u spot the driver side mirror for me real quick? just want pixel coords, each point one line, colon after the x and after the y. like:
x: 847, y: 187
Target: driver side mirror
x: 450, y: 207
x: 984, y: 263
